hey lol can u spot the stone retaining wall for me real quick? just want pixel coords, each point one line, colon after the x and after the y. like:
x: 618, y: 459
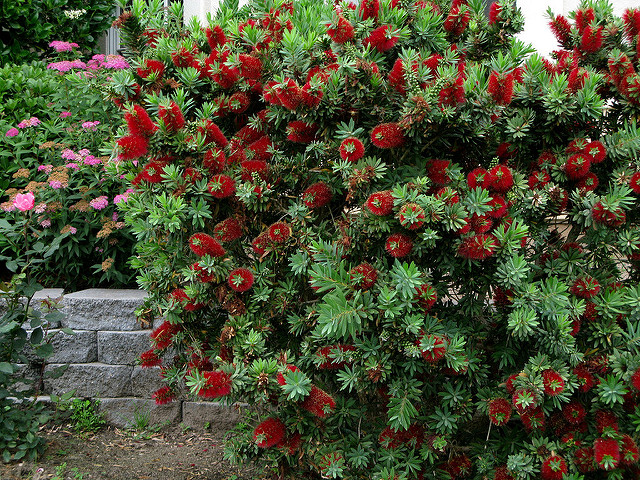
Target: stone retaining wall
x: 102, y: 361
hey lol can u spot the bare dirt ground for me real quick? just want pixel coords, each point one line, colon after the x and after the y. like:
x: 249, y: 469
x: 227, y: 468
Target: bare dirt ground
x: 112, y: 454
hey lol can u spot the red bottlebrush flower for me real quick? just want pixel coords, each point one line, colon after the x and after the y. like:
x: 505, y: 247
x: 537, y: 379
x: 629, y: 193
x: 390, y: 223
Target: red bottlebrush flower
x: 369, y: 9
x: 591, y: 40
x: 380, y: 203
x: 261, y: 243
x: 584, y: 460
x: 606, y: 420
x: 605, y: 216
x: 269, y: 433
x: 574, y: 412
x: 150, y: 359
x: 270, y: 93
x: 503, y: 298
x: 501, y: 179
x: 524, y: 400
x: 635, y: 379
x: 502, y: 473
x: 329, y: 363
x: 508, y: 384
x: 280, y: 376
x: 398, y: 245
x: 217, y: 384
x: 478, y: 247
x: 250, y: 67
x: 553, y: 382
x: 585, y: 287
x: 139, y: 122
x: 215, y: 37
x: 363, y: 276
x: 458, y: 466
x: 589, y: 182
x: 576, y: 79
x: 239, y: 102
x: 149, y: 67
x: 586, y: 380
x: 606, y: 452
x: 214, y: 160
x: 241, y: 279
x: 494, y: 13
x: 452, y: 94
x: 249, y: 167
x: 152, y: 172
x: 631, y: 21
x: 577, y: 166
x: 382, y: 38
x: 561, y: 28
x: 437, y: 171
x: 163, y: 335
x: 202, y: 244
x: 319, y: 403
x: 132, y: 147
x: 387, y: 135
x: 228, y: 230
x: 260, y: 148
x: 317, y: 195
x: 596, y: 150
x: 311, y: 95
x: 225, y: 76
x: 212, y: 134
x: 480, y: 223
x: 457, y: 20
x: 290, y: 445
x: 163, y: 396
x: 501, y: 87
x: 183, y: 58
x: 411, y: 216
x: 498, y: 207
x: 351, y: 149
x: 396, y: 77
x: 533, y: 419
x: 279, y: 232
x: 172, y: 117
x: 288, y: 94
x: 203, y: 275
x: 301, y: 132
x: 426, y: 296
x: 436, y: 353
x: 191, y: 175
x: 499, y: 411
x: 553, y: 467
x: 629, y: 450
x: 247, y: 135
x: 341, y: 31
x: 577, y: 145
x: 479, y: 177
x: 221, y: 186
x: 584, y: 18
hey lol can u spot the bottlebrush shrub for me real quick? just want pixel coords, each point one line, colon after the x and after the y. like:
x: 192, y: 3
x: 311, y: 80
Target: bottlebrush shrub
x: 419, y: 284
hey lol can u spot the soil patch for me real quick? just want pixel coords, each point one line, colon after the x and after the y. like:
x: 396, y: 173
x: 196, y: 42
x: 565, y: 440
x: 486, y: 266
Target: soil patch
x: 113, y: 454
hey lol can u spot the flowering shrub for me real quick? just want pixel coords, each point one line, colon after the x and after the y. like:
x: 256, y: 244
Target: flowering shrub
x: 29, y: 27
x: 408, y: 243
x: 50, y: 148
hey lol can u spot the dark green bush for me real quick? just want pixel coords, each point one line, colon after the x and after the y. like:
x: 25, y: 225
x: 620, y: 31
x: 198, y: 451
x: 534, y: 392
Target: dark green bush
x: 28, y: 26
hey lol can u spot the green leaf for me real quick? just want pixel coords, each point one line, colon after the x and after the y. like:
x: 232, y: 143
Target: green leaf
x: 6, y: 367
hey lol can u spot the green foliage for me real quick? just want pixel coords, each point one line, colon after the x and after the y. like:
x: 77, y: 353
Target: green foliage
x: 85, y: 415
x: 30, y: 25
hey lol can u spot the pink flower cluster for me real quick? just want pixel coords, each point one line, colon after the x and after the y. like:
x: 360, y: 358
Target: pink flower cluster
x: 123, y: 197
x: 29, y: 122
x: 100, y: 202
x: 83, y: 156
x: 60, y: 46
x: 12, y: 132
x: 110, y: 62
x: 66, y: 65
x: 91, y: 126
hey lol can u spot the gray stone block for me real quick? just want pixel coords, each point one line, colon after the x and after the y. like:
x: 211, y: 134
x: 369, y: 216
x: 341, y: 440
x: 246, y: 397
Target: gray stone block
x: 91, y: 380
x: 145, y: 381
x: 103, y: 309
x: 122, y: 348
x: 220, y: 418
x: 122, y: 412
x: 81, y: 347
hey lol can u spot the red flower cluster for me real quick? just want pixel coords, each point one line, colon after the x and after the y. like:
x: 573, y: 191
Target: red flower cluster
x: 163, y: 396
x: 228, y: 230
x: 380, y: 203
x: 330, y: 363
x: 388, y: 135
x: 604, y: 215
x: 214, y: 160
x: 437, y: 352
x: 606, y: 453
x: 351, y: 149
x: 457, y: 20
x: 499, y: 411
x: 301, y: 132
x: 279, y: 232
x: 411, y: 216
x: 382, y: 38
x: 478, y: 247
x: 181, y: 297
x: 241, y: 279
x: 553, y: 382
x: 317, y: 195
x: 163, y: 335
x: 398, y: 245
x: 369, y: 9
x: 437, y: 171
x: 414, y: 436
x: 577, y: 166
x: 586, y: 380
x: 132, y: 147
x: 139, y: 123
x: 426, y: 296
x: 341, y: 31
x: 363, y: 276
x: 215, y: 37
x: 561, y: 28
x: 574, y: 412
x: 212, y: 134
x: 501, y: 179
x: 319, y: 403
x: 269, y: 433
x: 202, y: 244
x: 501, y: 87
x: 585, y: 287
x: 221, y: 186
x: 171, y: 117
x: 150, y: 359
x: 553, y: 467
x: 150, y: 67
x: 217, y: 384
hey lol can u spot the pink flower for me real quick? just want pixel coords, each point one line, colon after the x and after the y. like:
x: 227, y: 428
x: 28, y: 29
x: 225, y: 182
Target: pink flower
x: 46, y: 223
x: 29, y: 122
x: 24, y: 202
x: 45, y: 168
x: 99, y: 203
x: 55, y: 184
x: 91, y: 126
x: 60, y: 46
x: 72, y: 230
x: 12, y: 132
x: 40, y: 208
x: 64, y: 114
x: 72, y: 165
x: 91, y: 160
x: 84, y: 152
x: 68, y: 154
